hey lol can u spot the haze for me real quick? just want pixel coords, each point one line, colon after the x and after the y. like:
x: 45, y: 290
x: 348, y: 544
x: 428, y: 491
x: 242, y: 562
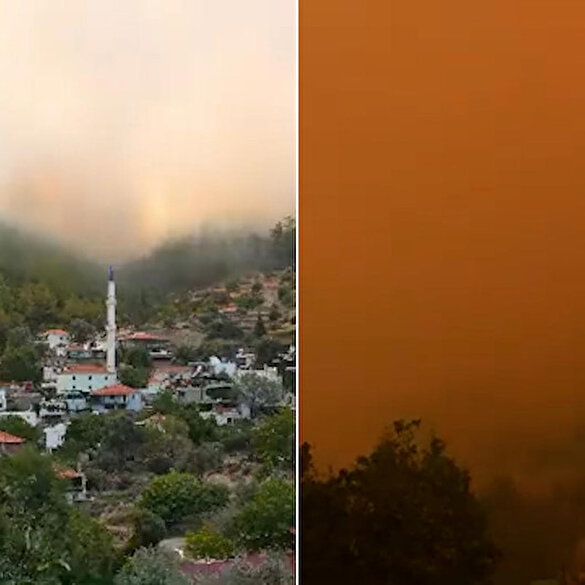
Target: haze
x: 125, y: 123
x: 448, y: 281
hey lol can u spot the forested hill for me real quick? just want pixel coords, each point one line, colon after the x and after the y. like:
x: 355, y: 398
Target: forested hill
x: 43, y: 284
x: 205, y: 259
x: 30, y: 258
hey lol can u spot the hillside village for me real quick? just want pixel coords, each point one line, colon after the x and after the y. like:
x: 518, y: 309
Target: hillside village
x: 175, y: 438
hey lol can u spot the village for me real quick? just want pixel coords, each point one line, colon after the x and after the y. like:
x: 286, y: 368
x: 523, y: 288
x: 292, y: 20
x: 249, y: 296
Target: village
x: 188, y: 416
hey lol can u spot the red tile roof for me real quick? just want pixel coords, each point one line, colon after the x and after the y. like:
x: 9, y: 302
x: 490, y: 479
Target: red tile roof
x: 68, y: 473
x: 141, y: 336
x: 86, y: 369
x: 55, y: 332
x: 116, y: 390
x: 8, y: 439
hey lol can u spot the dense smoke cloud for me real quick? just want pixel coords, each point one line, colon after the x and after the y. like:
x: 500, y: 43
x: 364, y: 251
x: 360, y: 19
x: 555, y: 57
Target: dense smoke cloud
x: 124, y: 124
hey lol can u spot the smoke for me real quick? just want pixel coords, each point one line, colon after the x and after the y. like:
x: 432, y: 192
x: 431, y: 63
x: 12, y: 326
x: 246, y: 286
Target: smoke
x: 125, y: 124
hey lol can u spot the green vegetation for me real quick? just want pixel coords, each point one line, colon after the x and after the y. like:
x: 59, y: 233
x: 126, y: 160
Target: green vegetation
x: 43, y: 540
x: 266, y: 521
x: 150, y: 566
x: 273, y: 441
x: 16, y: 425
x: 176, y: 495
x: 208, y: 543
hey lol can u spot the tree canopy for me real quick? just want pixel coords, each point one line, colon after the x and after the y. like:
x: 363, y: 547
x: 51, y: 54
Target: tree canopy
x: 405, y: 515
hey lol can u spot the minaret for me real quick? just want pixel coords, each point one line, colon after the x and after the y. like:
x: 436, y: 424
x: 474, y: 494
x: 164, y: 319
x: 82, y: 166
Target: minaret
x: 111, y: 325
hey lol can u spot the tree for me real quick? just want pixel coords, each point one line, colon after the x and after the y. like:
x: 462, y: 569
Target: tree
x: 267, y: 349
x: 208, y: 543
x: 274, y: 314
x: 149, y: 529
x: 151, y: 566
x: 185, y: 354
x: 20, y: 363
x: 259, y: 328
x: 266, y: 521
x: 120, y: 443
x: 175, y: 496
x: 81, y: 330
x: 273, y: 440
x: 16, y: 425
x: 404, y: 514
x: 134, y: 377
x: 83, y: 434
x: 43, y: 540
x: 258, y: 391
x: 138, y: 357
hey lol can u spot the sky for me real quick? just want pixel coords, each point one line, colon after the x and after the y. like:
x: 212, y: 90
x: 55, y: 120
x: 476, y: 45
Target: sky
x: 442, y: 241
x: 125, y: 123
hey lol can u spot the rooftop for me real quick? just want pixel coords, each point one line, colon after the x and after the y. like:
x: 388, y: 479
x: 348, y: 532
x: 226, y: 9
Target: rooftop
x: 55, y: 332
x: 8, y: 439
x: 68, y: 473
x: 86, y: 369
x: 116, y: 390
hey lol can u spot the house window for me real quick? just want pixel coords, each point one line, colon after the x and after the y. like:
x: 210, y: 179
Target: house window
x: 73, y: 378
x: 90, y: 377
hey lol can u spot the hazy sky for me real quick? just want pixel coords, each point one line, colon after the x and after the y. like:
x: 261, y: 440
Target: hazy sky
x: 448, y: 281
x: 123, y: 123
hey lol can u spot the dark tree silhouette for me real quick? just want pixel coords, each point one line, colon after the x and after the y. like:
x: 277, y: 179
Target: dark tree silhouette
x: 405, y: 515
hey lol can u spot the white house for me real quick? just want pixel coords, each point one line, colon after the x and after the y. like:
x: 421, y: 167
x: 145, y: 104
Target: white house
x: 57, y: 340
x: 117, y: 397
x: 55, y: 436
x: 84, y: 378
x: 226, y: 415
x: 270, y: 373
x: 3, y: 402
x: 220, y: 367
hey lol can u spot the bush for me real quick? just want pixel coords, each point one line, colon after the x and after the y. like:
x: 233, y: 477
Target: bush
x: 175, y: 496
x: 266, y: 521
x: 272, y: 572
x: 208, y: 543
x: 151, y: 567
x: 149, y: 529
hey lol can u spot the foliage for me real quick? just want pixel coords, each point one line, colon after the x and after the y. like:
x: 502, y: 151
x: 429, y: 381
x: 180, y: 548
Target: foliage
x: 20, y: 360
x: 258, y: 391
x: 404, y: 514
x: 236, y: 437
x: 81, y: 330
x: 273, y: 571
x: 151, y: 566
x: 267, y: 349
x: 208, y: 543
x: 273, y: 440
x: 185, y: 354
x: 134, y: 377
x: 175, y: 496
x: 16, y: 425
x: 149, y: 529
x: 266, y: 521
x: 83, y: 433
x: 120, y: 443
x: 222, y: 327
x: 43, y: 540
x: 259, y: 328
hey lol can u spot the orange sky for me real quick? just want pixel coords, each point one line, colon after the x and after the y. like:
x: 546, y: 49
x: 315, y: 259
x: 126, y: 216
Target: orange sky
x: 443, y: 226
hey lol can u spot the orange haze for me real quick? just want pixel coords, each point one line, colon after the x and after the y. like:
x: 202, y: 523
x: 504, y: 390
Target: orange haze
x: 443, y: 227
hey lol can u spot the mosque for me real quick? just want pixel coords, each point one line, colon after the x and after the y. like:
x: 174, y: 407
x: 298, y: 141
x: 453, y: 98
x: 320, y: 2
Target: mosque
x: 88, y: 385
